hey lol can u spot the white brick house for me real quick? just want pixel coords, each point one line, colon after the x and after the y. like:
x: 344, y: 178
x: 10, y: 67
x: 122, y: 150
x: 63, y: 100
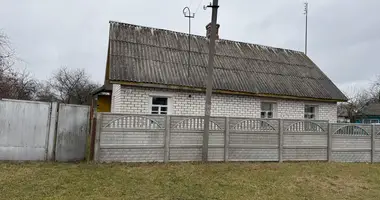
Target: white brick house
x: 147, y: 73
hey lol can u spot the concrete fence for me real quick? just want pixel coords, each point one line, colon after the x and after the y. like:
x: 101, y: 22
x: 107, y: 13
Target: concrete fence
x: 155, y: 138
x: 31, y: 130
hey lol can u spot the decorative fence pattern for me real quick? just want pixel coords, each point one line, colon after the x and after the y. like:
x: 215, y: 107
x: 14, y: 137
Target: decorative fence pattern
x: 305, y: 140
x: 154, y: 138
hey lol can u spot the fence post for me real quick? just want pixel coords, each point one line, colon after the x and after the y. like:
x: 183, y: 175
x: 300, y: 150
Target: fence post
x: 93, y: 137
x: 329, y: 142
x: 99, y: 119
x: 280, y: 139
x: 52, y: 132
x: 373, y: 146
x: 167, y: 139
x: 226, y: 138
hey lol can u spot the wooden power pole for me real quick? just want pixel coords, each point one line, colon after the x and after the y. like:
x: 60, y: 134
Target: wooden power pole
x: 210, y: 68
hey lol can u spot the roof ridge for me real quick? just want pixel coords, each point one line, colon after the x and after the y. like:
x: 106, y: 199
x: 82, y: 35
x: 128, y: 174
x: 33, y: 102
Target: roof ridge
x: 225, y: 55
x: 227, y: 69
x: 204, y: 37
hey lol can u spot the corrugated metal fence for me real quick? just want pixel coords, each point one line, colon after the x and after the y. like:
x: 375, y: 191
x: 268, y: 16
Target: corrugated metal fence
x: 31, y: 130
x: 153, y: 138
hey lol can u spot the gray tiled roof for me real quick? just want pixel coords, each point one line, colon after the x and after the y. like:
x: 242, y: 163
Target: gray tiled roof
x: 149, y: 55
x: 372, y: 109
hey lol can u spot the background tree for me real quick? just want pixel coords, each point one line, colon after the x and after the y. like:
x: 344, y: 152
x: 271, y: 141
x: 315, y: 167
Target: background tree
x: 375, y: 89
x: 66, y: 85
x: 72, y: 86
x: 45, y: 93
x: 25, y: 87
x: 355, y: 103
x: 6, y: 61
x: 6, y: 53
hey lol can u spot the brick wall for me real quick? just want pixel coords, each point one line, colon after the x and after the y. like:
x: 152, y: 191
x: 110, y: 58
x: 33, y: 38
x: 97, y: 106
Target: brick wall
x: 116, y: 98
x: 137, y: 100
x: 328, y: 111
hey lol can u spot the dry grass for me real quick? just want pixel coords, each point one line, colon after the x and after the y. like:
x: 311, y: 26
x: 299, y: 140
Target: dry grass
x: 190, y: 181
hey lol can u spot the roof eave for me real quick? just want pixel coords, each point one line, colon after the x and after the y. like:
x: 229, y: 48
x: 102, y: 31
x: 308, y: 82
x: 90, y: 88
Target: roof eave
x: 197, y: 89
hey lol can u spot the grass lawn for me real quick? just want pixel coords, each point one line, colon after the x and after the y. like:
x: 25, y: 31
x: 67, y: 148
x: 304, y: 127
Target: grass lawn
x: 180, y: 181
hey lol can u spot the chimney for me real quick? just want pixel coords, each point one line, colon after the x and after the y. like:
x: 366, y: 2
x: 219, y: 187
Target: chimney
x: 208, y: 31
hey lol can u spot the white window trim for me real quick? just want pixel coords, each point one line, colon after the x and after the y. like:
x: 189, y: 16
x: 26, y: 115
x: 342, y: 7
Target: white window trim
x: 274, y: 109
x: 165, y: 95
x: 316, y: 111
x: 370, y: 121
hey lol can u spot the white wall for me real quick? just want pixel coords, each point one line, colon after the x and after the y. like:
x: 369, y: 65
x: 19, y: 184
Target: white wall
x: 137, y: 100
x: 116, y: 98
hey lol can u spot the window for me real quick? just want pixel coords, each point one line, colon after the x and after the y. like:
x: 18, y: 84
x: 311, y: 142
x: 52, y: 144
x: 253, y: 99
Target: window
x: 310, y: 112
x: 371, y: 121
x: 267, y: 110
x: 159, y: 105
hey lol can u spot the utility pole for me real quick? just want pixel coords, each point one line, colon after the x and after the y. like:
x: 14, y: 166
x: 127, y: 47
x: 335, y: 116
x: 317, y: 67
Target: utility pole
x: 187, y: 13
x: 306, y: 12
x: 210, y: 67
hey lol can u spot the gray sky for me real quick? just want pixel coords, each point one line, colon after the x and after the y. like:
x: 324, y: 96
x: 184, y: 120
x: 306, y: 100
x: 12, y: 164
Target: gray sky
x: 344, y: 35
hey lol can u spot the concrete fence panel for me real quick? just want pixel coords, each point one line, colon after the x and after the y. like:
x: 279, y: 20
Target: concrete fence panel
x: 186, y: 136
x: 376, y: 143
x: 305, y: 140
x: 253, y: 140
x: 157, y: 138
x: 216, y: 139
x: 351, y: 142
x: 131, y: 138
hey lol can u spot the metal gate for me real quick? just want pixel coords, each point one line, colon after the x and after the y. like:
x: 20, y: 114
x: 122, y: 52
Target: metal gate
x: 24, y: 130
x: 32, y: 130
x: 72, y: 132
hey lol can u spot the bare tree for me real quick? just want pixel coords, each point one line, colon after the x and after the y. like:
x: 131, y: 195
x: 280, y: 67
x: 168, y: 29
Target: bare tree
x: 355, y: 103
x: 18, y: 85
x: 72, y: 86
x: 375, y: 89
x: 7, y: 77
x: 26, y: 86
x: 66, y: 85
x: 6, y: 53
x: 45, y: 93
x: 13, y: 84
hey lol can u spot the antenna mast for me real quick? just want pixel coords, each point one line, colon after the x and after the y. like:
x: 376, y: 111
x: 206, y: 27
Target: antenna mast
x: 187, y: 13
x: 306, y: 13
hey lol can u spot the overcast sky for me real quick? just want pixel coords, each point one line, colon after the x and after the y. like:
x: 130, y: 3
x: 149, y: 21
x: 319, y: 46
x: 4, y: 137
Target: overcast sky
x: 344, y: 35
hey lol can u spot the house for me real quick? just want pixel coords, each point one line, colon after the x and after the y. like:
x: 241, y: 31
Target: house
x: 369, y: 114
x: 343, y: 116
x: 147, y: 72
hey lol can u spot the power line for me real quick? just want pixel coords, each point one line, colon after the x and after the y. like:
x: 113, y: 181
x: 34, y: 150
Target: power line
x: 190, y: 3
x: 199, y: 5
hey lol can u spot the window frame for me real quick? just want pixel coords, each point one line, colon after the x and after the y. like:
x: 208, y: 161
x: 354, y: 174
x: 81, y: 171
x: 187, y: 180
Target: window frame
x: 370, y: 121
x: 315, y: 113
x: 168, y: 106
x: 273, y: 110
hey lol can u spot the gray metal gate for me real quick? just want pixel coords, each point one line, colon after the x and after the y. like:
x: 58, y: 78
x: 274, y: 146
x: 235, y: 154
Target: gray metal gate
x: 72, y: 130
x: 32, y: 130
x: 24, y: 130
